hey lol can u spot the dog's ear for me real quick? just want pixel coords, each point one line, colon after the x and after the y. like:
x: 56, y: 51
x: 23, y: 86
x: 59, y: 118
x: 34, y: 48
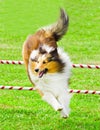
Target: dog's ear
x: 54, y: 53
x: 60, y: 27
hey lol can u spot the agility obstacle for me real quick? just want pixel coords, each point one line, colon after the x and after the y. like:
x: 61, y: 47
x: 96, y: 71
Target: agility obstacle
x: 32, y: 89
x: 73, y: 65
x: 13, y: 62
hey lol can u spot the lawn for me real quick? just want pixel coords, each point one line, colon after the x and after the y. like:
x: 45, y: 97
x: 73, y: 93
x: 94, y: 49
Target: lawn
x: 24, y: 110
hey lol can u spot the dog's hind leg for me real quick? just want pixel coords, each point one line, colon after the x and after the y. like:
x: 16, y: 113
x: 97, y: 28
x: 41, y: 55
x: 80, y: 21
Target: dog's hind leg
x: 49, y: 98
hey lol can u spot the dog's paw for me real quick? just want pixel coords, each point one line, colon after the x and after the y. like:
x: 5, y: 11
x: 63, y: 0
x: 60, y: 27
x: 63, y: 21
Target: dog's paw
x: 64, y: 114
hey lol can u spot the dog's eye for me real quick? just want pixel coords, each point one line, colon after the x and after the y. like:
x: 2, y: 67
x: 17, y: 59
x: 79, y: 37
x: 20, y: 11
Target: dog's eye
x: 44, y: 62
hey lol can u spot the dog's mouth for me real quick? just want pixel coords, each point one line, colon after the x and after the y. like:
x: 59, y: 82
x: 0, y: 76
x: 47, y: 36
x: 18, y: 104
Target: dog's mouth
x: 41, y: 73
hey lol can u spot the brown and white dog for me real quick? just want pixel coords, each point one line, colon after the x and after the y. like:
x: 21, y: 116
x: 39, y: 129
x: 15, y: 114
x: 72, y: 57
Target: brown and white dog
x: 48, y: 66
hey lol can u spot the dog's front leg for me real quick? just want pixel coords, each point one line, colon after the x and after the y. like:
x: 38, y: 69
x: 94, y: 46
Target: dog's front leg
x: 49, y: 98
x: 64, y: 100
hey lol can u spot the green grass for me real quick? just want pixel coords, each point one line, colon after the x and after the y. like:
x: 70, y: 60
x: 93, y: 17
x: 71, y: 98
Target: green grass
x: 23, y: 110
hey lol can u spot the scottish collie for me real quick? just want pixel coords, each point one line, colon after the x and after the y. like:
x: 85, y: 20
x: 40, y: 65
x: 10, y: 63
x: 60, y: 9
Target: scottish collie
x: 48, y: 66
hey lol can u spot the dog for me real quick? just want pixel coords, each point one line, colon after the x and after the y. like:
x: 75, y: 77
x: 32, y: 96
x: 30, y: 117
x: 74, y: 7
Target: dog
x: 48, y: 66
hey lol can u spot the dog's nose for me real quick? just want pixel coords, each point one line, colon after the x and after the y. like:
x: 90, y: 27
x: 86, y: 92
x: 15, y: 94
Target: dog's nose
x: 36, y: 70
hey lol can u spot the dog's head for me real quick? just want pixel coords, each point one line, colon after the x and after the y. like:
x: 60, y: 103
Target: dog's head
x: 45, y: 60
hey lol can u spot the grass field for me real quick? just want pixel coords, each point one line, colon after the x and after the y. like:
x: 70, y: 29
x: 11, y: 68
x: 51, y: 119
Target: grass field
x: 24, y: 110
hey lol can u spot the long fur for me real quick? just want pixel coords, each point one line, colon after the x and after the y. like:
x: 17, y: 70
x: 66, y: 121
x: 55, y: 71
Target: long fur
x: 48, y: 66
x: 59, y: 28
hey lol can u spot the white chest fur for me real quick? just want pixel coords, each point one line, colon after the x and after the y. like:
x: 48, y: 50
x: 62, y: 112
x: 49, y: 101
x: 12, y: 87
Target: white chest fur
x: 54, y: 83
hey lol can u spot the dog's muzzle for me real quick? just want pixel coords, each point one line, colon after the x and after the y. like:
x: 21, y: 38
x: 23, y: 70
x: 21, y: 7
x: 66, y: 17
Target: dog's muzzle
x: 41, y: 72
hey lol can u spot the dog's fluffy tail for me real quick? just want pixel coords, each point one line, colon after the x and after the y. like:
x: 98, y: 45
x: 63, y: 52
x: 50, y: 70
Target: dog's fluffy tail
x: 59, y: 28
